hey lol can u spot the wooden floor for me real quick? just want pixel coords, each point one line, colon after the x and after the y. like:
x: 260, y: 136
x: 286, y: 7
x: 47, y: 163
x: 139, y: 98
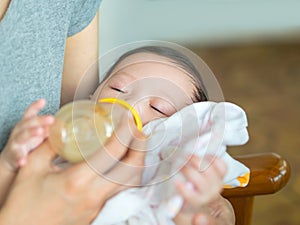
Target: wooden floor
x: 264, y: 79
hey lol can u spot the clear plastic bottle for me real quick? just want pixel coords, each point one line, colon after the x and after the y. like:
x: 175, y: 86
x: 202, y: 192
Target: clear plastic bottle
x: 82, y: 127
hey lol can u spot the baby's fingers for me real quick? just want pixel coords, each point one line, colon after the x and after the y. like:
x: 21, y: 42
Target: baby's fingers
x: 36, y: 122
x: 209, y: 162
x: 203, y: 185
x: 210, y: 168
x: 31, y: 126
x: 198, y: 197
x: 23, y: 137
x: 29, y: 139
x: 22, y: 143
x: 34, y: 108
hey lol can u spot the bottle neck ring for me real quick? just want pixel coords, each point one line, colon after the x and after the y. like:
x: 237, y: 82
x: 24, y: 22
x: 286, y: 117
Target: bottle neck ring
x: 126, y: 105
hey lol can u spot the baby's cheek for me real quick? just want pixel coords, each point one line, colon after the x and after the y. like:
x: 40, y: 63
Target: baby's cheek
x: 108, y: 94
x: 148, y: 116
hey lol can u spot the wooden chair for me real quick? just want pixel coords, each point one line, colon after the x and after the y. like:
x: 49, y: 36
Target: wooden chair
x: 269, y: 173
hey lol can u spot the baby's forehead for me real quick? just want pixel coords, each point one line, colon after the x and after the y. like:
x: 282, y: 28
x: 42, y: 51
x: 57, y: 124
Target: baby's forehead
x: 142, y: 57
x: 152, y: 64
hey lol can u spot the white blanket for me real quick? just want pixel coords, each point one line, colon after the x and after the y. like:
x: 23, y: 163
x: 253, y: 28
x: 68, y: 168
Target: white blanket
x: 201, y: 128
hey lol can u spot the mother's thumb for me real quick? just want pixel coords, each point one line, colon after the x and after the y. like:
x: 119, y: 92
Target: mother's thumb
x: 41, y: 158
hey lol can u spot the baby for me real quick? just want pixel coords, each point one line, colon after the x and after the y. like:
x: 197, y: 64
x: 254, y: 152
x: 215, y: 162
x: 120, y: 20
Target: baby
x: 164, y: 87
x: 167, y: 90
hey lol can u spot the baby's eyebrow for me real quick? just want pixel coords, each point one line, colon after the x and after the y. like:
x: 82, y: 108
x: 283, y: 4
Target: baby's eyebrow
x: 124, y: 75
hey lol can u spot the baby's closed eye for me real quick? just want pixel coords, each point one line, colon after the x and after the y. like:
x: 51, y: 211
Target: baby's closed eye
x: 163, y: 107
x: 117, y: 89
x: 158, y: 110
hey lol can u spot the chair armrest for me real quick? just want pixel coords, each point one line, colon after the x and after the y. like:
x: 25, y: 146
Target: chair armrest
x: 269, y: 172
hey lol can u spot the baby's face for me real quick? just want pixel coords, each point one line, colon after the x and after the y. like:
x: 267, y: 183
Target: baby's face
x: 155, y: 88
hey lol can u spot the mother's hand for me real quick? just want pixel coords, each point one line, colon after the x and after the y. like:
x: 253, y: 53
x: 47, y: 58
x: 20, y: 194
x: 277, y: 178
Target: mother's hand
x: 45, y: 194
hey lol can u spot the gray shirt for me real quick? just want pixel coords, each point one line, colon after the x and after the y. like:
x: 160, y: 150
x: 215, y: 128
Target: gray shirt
x: 32, y: 41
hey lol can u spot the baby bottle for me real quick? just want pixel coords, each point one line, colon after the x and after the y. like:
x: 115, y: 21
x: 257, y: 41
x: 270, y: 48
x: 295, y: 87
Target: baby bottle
x: 82, y: 127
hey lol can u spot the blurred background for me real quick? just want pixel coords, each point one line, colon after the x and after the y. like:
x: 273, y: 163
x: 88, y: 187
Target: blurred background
x: 253, y: 48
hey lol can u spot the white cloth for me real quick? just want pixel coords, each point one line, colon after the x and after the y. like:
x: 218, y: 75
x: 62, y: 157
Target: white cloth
x: 201, y: 128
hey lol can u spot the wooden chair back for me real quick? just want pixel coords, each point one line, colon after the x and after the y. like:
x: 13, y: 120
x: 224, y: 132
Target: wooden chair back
x: 269, y: 172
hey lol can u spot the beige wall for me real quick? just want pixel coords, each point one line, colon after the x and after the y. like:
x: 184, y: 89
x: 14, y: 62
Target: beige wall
x: 205, y: 22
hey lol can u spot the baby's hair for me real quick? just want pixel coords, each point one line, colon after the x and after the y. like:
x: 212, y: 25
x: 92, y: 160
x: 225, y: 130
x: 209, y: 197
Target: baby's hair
x: 176, y: 57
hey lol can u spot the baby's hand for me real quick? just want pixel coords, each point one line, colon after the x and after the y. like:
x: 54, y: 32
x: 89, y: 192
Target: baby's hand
x: 204, y: 182
x: 29, y: 133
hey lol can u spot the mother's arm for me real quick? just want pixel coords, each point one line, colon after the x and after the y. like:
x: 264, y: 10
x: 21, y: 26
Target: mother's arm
x: 80, y: 62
